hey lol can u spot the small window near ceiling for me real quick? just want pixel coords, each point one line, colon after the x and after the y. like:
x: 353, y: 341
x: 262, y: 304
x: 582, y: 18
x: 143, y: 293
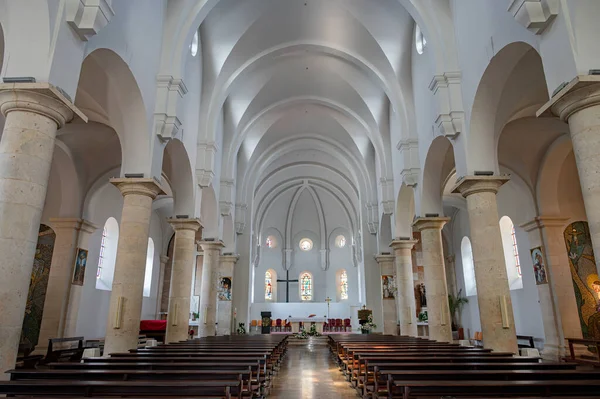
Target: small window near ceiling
x: 271, y: 242
x: 343, y: 285
x: 420, y: 41
x: 340, y: 241
x: 194, y: 45
x: 306, y: 293
x: 149, y: 266
x: 306, y: 244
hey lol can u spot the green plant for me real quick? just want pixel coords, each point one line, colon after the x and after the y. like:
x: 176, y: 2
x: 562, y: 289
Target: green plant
x: 313, y: 331
x: 368, y: 326
x: 302, y: 334
x: 195, y: 315
x: 456, y: 303
x: 241, y: 330
x: 423, y: 317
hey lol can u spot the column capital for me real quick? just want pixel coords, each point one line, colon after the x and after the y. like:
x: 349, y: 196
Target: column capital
x: 403, y: 244
x: 211, y: 245
x: 164, y: 259
x: 468, y: 185
x: 544, y: 221
x: 581, y: 92
x: 185, y: 224
x: 141, y: 186
x: 41, y: 98
x: 87, y: 226
x: 427, y: 223
x: 229, y: 258
x: 382, y: 258
x: 65, y: 223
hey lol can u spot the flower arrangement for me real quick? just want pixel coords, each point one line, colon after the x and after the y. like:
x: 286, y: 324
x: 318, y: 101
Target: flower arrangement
x: 241, y: 330
x: 368, y: 326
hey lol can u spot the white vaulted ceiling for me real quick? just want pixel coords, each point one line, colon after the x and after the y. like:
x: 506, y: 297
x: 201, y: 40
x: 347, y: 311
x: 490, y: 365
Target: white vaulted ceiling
x: 303, y: 89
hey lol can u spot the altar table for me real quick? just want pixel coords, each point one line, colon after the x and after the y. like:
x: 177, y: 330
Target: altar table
x: 307, y: 321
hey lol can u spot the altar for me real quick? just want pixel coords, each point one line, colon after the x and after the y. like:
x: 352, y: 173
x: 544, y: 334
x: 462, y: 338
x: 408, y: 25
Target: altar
x: 307, y: 321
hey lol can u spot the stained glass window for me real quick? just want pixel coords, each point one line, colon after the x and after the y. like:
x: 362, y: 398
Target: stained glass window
x: 270, y: 243
x: 268, y: 286
x: 102, y: 251
x: 306, y: 287
x: 306, y: 244
x: 344, y: 285
x: 340, y: 241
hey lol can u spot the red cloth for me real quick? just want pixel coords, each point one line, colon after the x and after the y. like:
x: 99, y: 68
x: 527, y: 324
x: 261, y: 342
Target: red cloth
x: 153, y: 325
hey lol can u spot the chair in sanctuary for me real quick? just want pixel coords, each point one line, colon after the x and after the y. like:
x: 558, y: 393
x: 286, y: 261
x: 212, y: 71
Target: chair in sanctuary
x: 331, y: 324
x: 338, y: 325
x: 287, y: 325
x: 347, y: 325
x: 253, y: 325
x: 278, y: 325
x: 325, y: 327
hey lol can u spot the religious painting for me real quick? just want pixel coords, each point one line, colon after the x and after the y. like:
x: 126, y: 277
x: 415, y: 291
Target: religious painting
x: 539, y: 267
x: 586, y: 282
x: 388, y: 286
x: 268, y: 286
x: 225, y: 289
x: 37, y: 286
x: 79, y: 271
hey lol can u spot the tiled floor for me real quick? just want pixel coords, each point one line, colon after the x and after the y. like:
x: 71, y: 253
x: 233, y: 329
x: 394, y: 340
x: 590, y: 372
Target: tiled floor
x: 309, y: 372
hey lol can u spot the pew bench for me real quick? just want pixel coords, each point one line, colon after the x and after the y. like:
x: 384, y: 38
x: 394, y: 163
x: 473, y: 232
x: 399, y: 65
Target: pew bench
x: 198, y: 389
x: 70, y: 353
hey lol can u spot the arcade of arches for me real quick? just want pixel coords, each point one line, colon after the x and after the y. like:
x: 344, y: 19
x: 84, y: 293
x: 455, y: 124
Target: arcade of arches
x: 174, y: 159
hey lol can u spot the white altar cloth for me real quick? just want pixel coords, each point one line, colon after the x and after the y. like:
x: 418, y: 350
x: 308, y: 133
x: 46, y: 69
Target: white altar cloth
x: 295, y: 321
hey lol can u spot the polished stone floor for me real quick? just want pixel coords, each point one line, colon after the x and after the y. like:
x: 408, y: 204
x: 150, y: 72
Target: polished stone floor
x: 309, y: 372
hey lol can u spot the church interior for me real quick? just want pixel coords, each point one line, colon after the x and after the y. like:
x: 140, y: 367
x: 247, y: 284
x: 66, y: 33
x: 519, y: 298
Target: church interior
x: 284, y: 184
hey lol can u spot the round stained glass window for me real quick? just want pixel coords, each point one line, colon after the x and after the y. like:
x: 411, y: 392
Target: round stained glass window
x: 340, y: 241
x: 306, y: 244
x: 271, y: 242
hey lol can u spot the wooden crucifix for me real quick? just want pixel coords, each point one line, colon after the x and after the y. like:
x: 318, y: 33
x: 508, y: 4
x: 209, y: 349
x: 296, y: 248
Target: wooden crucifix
x: 287, y: 282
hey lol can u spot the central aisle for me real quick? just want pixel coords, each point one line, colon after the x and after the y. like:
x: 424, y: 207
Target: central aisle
x: 308, y: 372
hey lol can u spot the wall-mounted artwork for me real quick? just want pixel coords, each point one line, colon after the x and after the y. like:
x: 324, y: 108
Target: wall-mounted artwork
x: 388, y: 286
x: 79, y: 270
x: 225, y: 289
x: 586, y: 282
x: 539, y: 266
x: 37, y: 286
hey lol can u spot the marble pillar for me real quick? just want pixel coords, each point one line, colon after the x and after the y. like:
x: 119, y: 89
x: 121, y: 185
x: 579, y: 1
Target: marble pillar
x: 76, y: 291
x: 225, y: 315
x: 390, y: 314
x: 578, y: 103
x: 210, y: 287
x: 123, y: 326
x: 60, y: 277
x: 557, y: 298
x: 33, y: 112
x: 161, y: 285
x: 184, y: 257
x: 493, y: 291
x: 405, y: 299
x: 438, y: 311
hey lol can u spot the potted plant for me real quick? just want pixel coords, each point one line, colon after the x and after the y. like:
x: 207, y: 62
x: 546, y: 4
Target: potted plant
x: 241, y: 330
x: 368, y: 326
x: 195, y: 316
x: 456, y: 303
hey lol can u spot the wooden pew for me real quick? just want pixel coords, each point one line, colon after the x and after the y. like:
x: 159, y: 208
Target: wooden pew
x: 71, y: 353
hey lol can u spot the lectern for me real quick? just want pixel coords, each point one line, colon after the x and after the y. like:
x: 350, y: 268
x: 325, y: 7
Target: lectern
x: 266, y: 322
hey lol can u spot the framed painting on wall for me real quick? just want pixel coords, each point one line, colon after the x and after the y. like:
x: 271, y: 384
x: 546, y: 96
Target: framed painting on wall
x: 225, y: 289
x: 80, y: 262
x: 539, y: 266
x: 388, y: 286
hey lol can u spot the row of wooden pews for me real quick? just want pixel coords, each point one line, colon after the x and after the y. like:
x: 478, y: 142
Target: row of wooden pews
x: 213, y: 367
x: 381, y: 366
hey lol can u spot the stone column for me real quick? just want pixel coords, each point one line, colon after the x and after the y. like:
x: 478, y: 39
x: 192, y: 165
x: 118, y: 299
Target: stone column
x: 184, y: 259
x: 123, y: 326
x: 557, y: 298
x: 225, y: 316
x: 34, y: 112
x: 161, y: 284
x: 59, y: 279
x: 208, y: 297
x: 578, y: 103
x: 390, y: 314
x: 405, y: 298
x: 69, y: 328
x: 438, y: 311
x: 493, y: 292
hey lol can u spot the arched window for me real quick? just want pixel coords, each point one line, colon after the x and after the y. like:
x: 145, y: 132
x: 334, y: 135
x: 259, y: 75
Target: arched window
x: 343, y: 285
x: 511, y: 253
x: 194, y: 44
x: 420, y: 41
x: 468, y: 266
x: 108, y: 255
x: 268, y: 286
x: 271, y: 242
x: 306, y: 287
x: 149, y: 265
x: 340, y: 241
